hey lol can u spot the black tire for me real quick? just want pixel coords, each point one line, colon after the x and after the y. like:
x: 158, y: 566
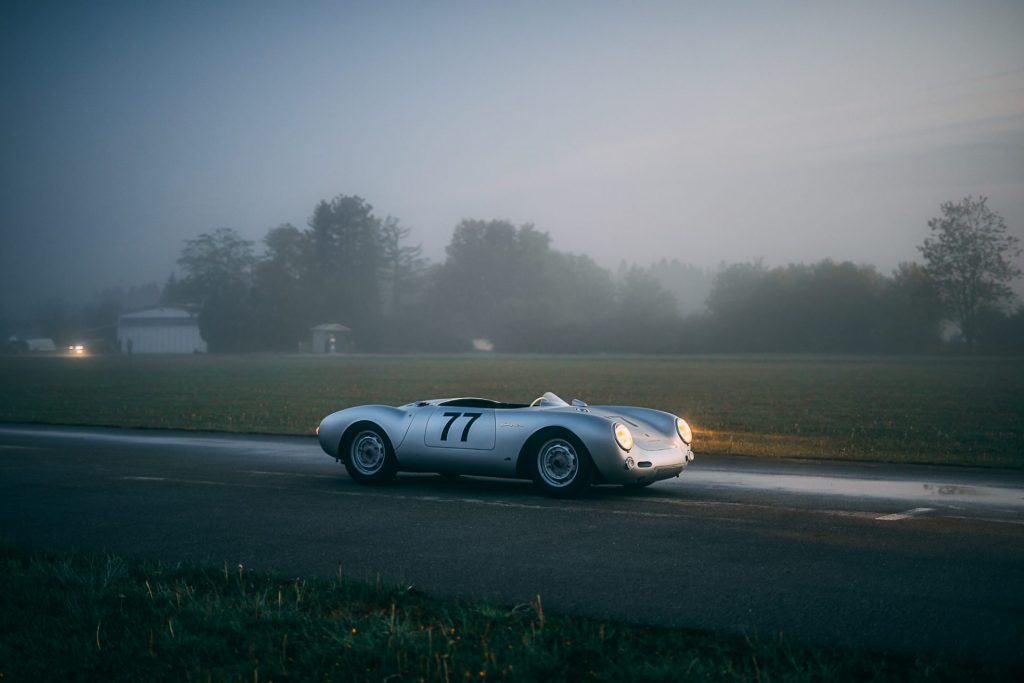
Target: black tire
x: 561, y: 466
x: 368, y: 455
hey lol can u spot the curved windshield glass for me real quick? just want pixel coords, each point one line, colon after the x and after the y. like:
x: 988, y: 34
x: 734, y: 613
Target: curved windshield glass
x: 550, y: 399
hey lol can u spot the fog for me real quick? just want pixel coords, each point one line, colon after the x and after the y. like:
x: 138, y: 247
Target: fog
x: 791, y: 132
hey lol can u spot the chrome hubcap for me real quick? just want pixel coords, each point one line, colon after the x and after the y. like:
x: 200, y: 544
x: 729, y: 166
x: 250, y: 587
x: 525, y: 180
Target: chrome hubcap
x: 558, y: 463
x: 367, y: 453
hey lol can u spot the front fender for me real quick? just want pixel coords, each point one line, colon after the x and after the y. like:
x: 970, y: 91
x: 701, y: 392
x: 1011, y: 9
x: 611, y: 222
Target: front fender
x: 658, y: 455
x: 596, y: 433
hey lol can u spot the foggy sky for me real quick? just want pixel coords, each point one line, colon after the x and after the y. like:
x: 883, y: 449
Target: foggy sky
x: 636, y: 131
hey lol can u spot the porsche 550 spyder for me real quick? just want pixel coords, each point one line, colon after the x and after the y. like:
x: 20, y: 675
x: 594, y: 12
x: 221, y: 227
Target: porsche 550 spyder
x: 563, y: 447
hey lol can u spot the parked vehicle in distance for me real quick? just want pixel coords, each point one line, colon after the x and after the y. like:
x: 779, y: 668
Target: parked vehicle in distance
x: 563, y: 447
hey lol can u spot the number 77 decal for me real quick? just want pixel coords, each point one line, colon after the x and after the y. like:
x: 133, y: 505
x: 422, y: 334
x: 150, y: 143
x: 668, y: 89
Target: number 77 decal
x: 473, y: 417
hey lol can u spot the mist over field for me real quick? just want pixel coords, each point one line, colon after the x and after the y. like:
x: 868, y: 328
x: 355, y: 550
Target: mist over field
x: 648, y: 148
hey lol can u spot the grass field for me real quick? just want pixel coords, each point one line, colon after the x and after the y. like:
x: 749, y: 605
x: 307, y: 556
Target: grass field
x: 934, y: 410
x: 98, y: 617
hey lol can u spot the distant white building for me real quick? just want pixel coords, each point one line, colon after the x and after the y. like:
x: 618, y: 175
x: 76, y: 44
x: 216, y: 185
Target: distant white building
x: 331, y: 338
x: 16, y: 344
x: 41, y: 344
x: 160, y: 329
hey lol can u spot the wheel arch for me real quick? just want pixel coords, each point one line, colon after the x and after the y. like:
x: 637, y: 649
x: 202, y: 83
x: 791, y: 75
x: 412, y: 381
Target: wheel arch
x: 353, y: 429
x: 523, y: 461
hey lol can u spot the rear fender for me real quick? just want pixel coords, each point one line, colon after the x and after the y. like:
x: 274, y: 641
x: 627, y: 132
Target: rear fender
x: 394, y: 422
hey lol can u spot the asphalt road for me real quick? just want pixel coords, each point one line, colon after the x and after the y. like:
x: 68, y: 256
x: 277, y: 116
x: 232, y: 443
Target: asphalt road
x: 905, y: 559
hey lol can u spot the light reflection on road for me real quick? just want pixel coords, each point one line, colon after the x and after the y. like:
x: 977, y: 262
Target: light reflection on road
x: 950, y: 492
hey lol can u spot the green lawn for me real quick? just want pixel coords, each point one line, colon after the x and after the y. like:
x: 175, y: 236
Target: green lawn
x: 936, y: 410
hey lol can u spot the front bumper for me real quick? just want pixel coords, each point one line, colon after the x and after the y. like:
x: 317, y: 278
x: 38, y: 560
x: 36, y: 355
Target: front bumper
x: 641, y: 466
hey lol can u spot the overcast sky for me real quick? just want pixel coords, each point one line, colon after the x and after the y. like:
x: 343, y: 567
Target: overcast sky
x: 706, y: 132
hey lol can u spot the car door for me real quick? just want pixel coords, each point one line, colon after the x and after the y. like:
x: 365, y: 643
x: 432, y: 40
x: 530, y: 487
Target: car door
x: 469, y: 429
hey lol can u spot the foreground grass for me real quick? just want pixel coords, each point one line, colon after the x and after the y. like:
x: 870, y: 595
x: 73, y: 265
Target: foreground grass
x: 935, y: 410
x: 95, y: 617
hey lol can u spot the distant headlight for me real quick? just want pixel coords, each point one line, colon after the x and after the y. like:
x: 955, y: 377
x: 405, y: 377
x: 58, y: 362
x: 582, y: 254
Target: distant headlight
x: 685, y: 433
x: 623, y: 436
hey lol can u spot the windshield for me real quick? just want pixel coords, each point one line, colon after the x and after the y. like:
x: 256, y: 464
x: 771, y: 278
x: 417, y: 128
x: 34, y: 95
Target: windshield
x: 549, y: 400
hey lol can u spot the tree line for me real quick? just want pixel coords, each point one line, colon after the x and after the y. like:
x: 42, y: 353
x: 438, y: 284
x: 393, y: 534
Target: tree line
x: 506, y: 284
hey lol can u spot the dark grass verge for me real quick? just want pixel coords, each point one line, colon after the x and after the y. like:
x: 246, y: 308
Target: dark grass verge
x: 99, y: 617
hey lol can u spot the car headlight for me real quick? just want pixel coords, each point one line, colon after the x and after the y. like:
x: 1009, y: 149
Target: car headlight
x: 623, y: 436
x: 685, y: 433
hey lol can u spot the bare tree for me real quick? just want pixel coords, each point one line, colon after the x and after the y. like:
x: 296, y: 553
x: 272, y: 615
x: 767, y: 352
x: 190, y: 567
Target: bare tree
x: 970, y: 257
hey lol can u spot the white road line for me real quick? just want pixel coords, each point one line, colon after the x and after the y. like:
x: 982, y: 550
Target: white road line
x: 509, y: 504
x: 428, y: 499
x: 7, y: 447
x: 290, y: 474
x: 685, y: 509
x: 206, y: 482
x: 905, y: 515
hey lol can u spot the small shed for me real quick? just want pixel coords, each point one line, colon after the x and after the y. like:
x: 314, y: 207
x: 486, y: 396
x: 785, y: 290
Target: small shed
x: 331, y: 338
x: 160, y: 329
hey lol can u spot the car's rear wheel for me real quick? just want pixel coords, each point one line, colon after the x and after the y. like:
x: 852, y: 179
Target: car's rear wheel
x: 562, y: 467
x: 369, y: 457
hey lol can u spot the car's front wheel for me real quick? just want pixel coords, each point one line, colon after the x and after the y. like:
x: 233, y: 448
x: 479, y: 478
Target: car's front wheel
x: 369, y: 457
x: 562, y: 467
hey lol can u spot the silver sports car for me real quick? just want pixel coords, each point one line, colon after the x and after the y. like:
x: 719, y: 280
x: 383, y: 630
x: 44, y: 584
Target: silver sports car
x: 563, y: 447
